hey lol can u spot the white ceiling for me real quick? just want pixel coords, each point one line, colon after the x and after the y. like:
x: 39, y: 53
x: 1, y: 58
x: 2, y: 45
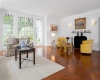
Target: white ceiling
x: 53, y: 8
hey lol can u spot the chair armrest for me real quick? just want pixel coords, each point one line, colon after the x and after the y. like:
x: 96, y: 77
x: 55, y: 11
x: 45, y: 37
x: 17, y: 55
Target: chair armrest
x: 87, y: 41
x: 16, y: 45
x: 84, y: 42
x: 9, y: 46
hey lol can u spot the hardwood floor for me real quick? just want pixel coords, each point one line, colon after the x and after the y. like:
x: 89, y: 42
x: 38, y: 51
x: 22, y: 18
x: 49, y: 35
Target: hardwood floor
x: 77, y: 66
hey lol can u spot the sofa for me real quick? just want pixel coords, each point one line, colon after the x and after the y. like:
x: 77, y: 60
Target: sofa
x: 86, y: 46
x: 12, y: 43
x: 60, y: 41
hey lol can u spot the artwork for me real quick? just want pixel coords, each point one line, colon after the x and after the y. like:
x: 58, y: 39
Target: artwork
x: 80, y: 23
x: 54, y: 27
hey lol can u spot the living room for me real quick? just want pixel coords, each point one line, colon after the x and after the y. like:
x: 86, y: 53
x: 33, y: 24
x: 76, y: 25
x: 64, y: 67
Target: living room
x: 34, y: 19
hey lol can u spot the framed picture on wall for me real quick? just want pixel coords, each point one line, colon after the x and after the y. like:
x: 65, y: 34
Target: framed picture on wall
x: 53, y: 27
x: 80, y: 23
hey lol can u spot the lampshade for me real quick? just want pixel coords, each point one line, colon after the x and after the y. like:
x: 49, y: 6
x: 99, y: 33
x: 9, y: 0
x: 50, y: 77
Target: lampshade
x: 52, y: 34
x: 93, y: 23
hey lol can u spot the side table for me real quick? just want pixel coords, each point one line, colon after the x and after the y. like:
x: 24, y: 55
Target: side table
x: 66, y: 46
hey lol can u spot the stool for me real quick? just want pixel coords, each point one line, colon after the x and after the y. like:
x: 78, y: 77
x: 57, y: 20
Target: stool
x: 66, y: 46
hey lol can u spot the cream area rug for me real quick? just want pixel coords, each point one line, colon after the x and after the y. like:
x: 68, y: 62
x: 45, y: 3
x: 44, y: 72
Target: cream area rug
x: 9, y: 68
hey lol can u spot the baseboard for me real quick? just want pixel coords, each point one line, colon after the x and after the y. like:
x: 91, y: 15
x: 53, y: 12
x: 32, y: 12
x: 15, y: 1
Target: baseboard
x: 96, y: 48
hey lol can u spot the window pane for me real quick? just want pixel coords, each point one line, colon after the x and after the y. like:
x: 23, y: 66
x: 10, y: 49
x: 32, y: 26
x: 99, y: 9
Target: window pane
x: 7, y: 27
x: 25, y: 27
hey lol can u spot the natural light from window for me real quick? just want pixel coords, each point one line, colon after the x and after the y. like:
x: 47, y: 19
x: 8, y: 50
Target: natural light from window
x: 38, y: 32
x: 7, y: 27
x: 25, y: 27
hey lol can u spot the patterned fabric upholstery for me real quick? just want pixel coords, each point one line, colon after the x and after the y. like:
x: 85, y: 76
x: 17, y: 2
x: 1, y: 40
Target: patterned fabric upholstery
x: 86, y: 46
x: 60, y: 41
x: 12, y: 43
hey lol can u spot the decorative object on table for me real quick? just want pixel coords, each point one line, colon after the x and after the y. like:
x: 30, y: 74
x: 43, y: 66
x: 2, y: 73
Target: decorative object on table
x: 85, y: 31
x: 73, y: 31
x: 80, y: 23
x: 89, y: 31
x: 22, y: 43
x: 54, y: 27
x: 67, y: 39
x: 81, y: 33
x: 77, y: 33
x: 78, y: 40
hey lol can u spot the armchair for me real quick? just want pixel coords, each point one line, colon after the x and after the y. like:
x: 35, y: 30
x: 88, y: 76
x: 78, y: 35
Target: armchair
x: 86, y: 46
x: 12, y: 43
x: 60, y: 41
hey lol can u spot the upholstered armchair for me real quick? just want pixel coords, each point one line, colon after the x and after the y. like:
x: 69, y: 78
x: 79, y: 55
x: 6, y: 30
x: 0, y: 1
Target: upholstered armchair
x: 60, y: 41
x: 86, y: 46
x: 12, y: 43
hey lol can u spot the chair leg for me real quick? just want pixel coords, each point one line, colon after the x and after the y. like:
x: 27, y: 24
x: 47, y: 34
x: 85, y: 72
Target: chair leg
x: 65, y: 49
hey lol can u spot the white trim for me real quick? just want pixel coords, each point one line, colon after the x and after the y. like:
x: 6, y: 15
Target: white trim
x: 96, y: 48
x: 1, y: 30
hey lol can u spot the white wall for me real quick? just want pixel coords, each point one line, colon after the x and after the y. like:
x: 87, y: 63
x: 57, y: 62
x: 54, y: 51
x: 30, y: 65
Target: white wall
x: 45, y: 31
x: 48, y: 22
x: 91, y: 15
x: 0, y: 4
x: 1, y: 29
x: 99, y: 33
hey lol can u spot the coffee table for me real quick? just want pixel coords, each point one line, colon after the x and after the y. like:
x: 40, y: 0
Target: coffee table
x: 19, y: 50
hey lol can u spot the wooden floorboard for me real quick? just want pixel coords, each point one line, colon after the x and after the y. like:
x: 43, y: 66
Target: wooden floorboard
x: 77, y: 66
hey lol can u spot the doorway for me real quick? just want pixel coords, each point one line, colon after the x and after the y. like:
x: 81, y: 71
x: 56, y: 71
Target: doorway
x: 39, y: 32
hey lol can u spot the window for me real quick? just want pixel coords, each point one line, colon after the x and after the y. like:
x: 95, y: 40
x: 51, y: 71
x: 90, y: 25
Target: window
x: 25, y: 27
x: 7, y: 27
x: 38, y: 32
